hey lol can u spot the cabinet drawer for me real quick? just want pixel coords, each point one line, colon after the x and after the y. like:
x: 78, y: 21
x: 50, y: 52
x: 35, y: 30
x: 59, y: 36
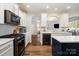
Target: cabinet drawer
x: 6, y: 46
x: 8, y: 52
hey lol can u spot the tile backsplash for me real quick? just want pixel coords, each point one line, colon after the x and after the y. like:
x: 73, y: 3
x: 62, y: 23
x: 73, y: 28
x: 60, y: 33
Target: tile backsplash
x: 6, y: 29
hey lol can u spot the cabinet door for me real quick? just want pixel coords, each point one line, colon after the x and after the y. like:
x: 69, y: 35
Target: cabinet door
x: 23, y: 18
x: 57, y: 47
x: 1, y: 13
x: 16, y: 9
x: 46, y: 39
x: 8, y: 6
x: 21, y: 15
x: 44, y: 19
x: 12, y: 7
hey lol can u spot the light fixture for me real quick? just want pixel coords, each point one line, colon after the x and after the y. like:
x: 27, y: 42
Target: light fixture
x: 47, y: 7
x: 55, y: 9
x: 68, y: 7
x: 28, y: 6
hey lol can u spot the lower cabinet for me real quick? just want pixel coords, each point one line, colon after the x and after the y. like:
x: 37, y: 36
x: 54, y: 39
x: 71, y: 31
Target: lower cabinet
x: 6, y: 49
x: 46, y: 39
x: 56, y: 47
x: 64, y: 49
x: 70, y: 49
x: 7, y: 52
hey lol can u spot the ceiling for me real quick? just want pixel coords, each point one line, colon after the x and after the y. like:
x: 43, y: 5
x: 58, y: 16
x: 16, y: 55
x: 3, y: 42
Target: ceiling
x: 62, y: 7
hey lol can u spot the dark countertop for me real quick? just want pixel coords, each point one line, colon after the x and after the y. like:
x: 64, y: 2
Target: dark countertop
x: 11, y: 35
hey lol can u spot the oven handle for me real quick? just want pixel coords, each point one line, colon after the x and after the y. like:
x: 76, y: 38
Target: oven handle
x: 20, y: 40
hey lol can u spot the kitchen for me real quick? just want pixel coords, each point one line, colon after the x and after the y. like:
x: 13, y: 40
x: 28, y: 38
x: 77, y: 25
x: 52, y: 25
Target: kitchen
x: 53, y: 25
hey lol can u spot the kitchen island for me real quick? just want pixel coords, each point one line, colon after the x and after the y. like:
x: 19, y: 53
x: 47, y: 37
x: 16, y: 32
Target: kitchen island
x: 65, y: 45
x: 45, y: 37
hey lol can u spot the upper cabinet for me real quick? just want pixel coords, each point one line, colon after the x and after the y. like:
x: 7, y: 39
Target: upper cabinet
x: 9, y: 6
x: 12, y: 7
x: 1, y: 13
x: 16, y: 9
x: 23, y: 18
x: 44, y: 19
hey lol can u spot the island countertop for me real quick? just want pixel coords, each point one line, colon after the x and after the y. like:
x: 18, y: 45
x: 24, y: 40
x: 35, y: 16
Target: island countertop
x: 66, y: 39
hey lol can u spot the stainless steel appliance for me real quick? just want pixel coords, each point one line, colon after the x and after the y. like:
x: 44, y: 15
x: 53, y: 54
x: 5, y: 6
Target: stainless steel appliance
x: 11, y: 18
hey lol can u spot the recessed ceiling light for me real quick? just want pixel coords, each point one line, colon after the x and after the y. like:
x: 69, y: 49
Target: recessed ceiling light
x: 68, y: 7
x: 47, y: 7
x: 56, y: 9
x: 28, y: 6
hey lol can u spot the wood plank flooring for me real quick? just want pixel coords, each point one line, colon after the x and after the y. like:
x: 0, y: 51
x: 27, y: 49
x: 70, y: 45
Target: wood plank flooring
x: 35, y: 49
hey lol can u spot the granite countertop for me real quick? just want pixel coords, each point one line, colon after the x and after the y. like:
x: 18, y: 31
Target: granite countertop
x: 5, y: 40
x: 66, y: 39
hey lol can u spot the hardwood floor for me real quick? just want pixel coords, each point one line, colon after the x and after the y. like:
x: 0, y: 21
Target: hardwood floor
x: 35, y: 49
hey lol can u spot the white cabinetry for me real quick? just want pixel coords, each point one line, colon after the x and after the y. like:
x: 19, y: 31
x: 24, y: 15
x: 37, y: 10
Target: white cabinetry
x: 44, y: 19
x: 9, y: 6
x: 6, y: 49
x: 23, y: 18
x: 12, y: 7
x: 1, y: 13
x: 16, y: 9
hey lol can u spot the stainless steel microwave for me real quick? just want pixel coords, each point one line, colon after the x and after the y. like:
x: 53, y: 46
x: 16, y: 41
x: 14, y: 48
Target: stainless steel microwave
x: 11, y: 18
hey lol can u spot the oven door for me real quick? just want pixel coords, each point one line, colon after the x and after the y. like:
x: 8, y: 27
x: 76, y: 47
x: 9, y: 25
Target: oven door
x: 21, y: 46
x: 15, y: 19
